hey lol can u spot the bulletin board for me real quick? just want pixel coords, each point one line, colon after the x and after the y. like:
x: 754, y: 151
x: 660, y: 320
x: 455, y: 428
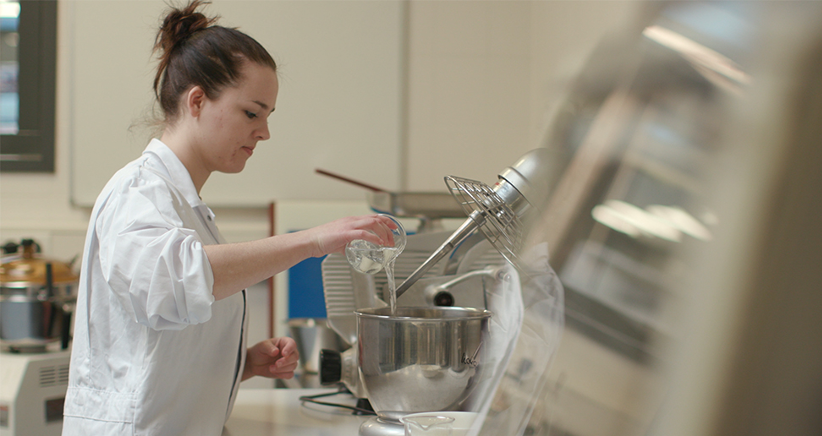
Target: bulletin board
x: 339, y: 105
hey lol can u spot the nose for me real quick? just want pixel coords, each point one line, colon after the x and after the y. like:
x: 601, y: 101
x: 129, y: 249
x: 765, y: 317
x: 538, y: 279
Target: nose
x: 262, y: 134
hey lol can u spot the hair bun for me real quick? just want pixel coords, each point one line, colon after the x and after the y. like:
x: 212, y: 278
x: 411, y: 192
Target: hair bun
x: 193, y: 51
x: 180, y: 24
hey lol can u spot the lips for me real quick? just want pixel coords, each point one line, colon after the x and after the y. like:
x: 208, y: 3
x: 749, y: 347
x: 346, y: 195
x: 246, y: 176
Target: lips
x: 248, y: 150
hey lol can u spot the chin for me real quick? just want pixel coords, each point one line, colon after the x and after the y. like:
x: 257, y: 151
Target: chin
x: 233, y: 170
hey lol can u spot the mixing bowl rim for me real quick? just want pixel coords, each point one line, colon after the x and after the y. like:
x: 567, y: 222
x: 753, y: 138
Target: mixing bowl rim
x: 470, y: 313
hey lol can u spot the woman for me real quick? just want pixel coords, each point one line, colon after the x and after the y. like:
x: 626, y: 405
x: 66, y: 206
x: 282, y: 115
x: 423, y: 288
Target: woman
x: 161, y: 322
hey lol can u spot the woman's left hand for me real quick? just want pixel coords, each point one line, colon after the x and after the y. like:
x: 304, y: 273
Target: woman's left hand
x: 272, y: 358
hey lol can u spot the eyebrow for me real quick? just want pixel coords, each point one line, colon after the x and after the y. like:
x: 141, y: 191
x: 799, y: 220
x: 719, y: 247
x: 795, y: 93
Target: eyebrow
x: 263, y: 105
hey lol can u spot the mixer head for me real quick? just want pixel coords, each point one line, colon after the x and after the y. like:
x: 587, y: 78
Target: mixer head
x: 496, y: 212
x: 493, y: 216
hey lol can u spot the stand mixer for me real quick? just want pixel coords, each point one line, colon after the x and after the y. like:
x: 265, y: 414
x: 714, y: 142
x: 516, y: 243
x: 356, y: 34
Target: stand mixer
x: 458, y: 272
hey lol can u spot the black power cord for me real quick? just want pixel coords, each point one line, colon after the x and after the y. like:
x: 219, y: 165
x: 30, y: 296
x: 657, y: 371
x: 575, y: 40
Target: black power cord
x: 362, y: 408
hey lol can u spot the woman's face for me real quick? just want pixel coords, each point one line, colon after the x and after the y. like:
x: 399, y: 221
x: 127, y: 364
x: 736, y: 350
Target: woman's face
x: 231, y: 125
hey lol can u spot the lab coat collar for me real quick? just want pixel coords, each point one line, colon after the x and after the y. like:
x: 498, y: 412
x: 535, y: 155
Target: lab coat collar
x: 176, y: 171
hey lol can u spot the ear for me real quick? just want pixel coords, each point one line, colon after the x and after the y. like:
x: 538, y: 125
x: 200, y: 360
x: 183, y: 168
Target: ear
x: 194, y: 100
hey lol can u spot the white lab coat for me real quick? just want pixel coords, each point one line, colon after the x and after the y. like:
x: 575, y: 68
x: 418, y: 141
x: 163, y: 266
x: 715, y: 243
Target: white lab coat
x: 153, y: 352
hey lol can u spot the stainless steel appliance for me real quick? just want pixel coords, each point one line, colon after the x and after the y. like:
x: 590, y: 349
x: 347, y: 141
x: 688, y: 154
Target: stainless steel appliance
x: 313, y: 335
x: 438, y: 270
x: 446, y: 284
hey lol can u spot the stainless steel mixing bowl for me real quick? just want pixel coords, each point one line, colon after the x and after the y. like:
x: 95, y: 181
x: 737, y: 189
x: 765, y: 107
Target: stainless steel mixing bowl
x: 420, y: 359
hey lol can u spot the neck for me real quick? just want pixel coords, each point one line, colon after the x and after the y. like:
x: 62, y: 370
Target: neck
x: 184, y: 148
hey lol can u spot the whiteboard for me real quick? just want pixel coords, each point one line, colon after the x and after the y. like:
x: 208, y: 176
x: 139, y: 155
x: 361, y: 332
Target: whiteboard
x: 339, y: 105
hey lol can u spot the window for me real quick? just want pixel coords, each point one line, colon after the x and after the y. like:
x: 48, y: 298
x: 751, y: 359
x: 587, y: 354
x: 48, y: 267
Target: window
x: 28, y: 34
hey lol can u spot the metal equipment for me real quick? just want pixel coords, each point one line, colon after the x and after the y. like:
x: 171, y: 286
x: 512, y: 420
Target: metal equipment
x: 429, y: 207
x: 496, y: 211
x: 32, y: 393
x: 37, y: 297
x: 459, y: 280
x: 438, y: 269
x: 419, y: 352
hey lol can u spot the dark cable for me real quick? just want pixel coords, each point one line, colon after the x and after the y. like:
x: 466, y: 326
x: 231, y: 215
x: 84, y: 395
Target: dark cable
x: 342, y: 390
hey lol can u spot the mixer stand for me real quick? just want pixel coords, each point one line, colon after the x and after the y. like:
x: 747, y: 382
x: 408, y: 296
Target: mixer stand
x: 377, y: 426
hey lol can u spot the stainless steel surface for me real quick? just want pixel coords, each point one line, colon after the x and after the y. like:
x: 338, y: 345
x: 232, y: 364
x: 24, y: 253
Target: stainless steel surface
x: 529, y: 176
x: 463, y: 232
x: 345, y: 290
x: 350, y: 372
x: 313, y: 335
x: 496, y: 211
x: 431, y: 205
x: 420, y: 359
x: 501, y: 224
x: 492, y: 272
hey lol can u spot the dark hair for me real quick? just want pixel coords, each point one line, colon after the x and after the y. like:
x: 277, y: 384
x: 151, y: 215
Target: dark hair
x: 195, y: 52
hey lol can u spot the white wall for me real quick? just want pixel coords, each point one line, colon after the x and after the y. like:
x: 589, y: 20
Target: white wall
x: 468, y: 89
x: 338, y: 108
x: 481, y: 77
x: 484, y: 76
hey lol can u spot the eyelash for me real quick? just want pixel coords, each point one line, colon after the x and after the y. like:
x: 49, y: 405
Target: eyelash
x: 250, y: 115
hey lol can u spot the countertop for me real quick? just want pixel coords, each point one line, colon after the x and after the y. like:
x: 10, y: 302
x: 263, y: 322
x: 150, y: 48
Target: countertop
x: 279, y: 412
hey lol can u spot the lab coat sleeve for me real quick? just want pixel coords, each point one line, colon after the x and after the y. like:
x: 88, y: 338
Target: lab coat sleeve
x: 154, y: 263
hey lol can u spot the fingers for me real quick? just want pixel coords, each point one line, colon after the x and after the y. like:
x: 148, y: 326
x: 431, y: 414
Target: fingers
x: 372, y: 236
x: 285, y: 366
x: 332, y: 237
x: 382, y: 226
x: 278, y: 358
x: 383, y: 230
x: 288, y: 347
x: 268, y: 348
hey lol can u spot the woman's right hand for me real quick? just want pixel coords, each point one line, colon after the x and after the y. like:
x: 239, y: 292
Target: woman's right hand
x: 240, y: 265
x: 332, y: 237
